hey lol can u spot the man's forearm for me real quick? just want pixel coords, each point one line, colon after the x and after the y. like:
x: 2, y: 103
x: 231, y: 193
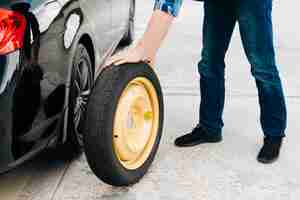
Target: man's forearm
x: 156, y: 32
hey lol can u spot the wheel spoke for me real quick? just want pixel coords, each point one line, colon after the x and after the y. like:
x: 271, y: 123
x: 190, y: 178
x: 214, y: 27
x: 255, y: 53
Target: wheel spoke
x: 84, y: 76
x: 80, y: 77
x: 78, y: 72
x: 77, y: 85
x: 79, y: 111
x: 77, y: 119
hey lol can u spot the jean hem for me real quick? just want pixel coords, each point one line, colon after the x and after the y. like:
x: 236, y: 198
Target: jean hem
x: 282, y: 135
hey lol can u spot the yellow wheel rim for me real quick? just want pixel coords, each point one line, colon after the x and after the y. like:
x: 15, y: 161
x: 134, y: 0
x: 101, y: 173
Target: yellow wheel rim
x: 136, y: 123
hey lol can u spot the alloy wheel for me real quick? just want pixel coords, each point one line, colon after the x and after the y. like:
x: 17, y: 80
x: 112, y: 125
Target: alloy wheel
x: 83, y: 85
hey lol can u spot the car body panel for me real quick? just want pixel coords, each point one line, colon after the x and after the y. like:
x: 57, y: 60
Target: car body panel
x: 62, y: 24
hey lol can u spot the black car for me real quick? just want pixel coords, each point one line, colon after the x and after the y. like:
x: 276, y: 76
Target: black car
x: 55, y: 92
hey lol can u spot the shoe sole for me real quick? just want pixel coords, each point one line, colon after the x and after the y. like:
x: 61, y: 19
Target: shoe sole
x: 198, y: 143
x: 263, y: 161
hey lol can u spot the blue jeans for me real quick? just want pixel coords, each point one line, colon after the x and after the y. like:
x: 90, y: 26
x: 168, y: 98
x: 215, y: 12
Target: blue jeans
x: 254, y: 18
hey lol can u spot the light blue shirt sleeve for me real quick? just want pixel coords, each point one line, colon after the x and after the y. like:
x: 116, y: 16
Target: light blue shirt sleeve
x: 170, y: 6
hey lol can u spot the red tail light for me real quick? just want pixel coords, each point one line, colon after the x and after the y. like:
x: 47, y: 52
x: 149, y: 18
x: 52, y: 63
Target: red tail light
x: 12, y: 28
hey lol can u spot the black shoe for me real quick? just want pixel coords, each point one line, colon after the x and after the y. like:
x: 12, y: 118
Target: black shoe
x: 269, y: 153
x: 198, y: 136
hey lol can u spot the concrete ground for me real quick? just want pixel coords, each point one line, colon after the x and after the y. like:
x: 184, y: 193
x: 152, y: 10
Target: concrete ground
x: 219, y: 171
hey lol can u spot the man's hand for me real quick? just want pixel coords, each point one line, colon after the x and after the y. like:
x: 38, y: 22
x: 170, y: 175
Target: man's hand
x: 132, y: 55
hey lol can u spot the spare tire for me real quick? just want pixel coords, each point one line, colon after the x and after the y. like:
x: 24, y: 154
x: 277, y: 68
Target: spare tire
x: 124, y: 123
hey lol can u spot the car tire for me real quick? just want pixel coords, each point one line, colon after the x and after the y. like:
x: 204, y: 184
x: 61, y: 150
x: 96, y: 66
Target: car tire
x: 107, y: 149
x: 129, y: 35
x: 73, y: 147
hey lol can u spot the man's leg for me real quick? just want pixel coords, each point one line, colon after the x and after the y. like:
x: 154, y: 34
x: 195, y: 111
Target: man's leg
x: 218, y: 26
x: 219, y: 23
x: 255, y: 21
